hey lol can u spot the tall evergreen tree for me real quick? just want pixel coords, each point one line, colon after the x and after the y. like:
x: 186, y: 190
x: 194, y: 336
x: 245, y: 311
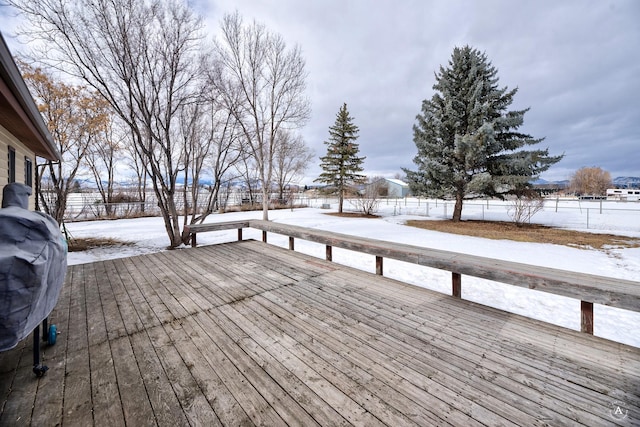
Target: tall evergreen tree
x: 342, y: 166
x: 468, y: 142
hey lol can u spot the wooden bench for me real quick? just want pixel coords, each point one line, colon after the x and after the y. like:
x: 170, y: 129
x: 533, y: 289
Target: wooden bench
x: 194, y: 229
x: 587, y: 288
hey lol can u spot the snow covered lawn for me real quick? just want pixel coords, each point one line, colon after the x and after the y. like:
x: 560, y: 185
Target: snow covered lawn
x: 615, y: 324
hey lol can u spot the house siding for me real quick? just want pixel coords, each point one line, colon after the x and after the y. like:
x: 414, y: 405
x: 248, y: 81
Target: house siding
x: 8, y: 140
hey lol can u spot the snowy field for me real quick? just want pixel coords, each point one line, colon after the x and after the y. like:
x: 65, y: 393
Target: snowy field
x: 615, y: 324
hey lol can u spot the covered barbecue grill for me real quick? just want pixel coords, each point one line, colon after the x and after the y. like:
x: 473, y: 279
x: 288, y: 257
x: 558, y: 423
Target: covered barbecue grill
x: 33, y: 263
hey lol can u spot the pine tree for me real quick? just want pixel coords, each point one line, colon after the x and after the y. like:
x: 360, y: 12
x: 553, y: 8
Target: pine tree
x: 342, y: 166
x: 468, y: 142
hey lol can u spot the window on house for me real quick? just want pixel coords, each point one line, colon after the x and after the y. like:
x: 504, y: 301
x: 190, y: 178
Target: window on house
x: 12, y: 165
x: 28, y: 171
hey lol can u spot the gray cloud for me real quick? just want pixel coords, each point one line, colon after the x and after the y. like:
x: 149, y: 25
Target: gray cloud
x: 575, y: 62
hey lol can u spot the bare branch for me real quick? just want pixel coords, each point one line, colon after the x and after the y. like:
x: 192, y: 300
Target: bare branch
x: 142, y: 58
x: 262, y: 84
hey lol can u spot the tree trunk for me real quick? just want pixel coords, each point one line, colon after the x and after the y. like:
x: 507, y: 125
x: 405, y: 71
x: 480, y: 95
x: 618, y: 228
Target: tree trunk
x: 457, y: 210
x: 175, y: 235
x: 265, y: 203
x: 280, y: 193
x: 266, y: 184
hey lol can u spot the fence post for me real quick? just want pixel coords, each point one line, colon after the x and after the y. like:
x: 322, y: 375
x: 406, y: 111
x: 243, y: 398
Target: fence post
x: 586, y: 314
x: 264, y: 236
x: 329, y: 255
x: 379, y: 265
x: 587, y: 218
x: 291, y: 243
x: 456, y: 285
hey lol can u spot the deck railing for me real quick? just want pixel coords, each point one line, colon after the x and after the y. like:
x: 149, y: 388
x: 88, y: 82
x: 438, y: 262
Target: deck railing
x: 589, y: 289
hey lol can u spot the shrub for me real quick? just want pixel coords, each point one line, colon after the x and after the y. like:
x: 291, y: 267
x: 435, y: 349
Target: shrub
x: 522, y: 208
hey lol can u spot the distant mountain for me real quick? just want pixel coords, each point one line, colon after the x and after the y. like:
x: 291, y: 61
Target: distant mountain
x: 627, y: 182
x: 619, y: 182
x: 540, y: 182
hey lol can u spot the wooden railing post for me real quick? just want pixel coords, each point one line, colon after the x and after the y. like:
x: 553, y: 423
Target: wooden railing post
x: 290, y: 243
x: 456, y: 285
x: 239, y: 234
x: 586, y: 313
x: 329, y: 255
x: 193, y: 240
x: 264, y: 236
x: 379, y: 265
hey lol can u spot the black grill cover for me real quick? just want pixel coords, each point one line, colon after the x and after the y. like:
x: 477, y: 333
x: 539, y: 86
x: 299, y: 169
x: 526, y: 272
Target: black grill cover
x: 33, y: 263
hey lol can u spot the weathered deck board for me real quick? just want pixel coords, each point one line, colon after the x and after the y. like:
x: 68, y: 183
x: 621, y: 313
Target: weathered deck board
x: 371, y: 347
x: 246, y: 334
x: 459, y: 368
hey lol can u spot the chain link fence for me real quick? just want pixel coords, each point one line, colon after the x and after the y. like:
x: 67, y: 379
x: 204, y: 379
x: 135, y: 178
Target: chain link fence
x: 566, y: 212
x: 573, y: 213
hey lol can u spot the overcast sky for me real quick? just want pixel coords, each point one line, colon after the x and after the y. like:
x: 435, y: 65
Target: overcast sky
x: 576, y: 64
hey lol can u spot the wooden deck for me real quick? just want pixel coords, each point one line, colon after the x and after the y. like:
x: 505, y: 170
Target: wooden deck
x: 246, y: 333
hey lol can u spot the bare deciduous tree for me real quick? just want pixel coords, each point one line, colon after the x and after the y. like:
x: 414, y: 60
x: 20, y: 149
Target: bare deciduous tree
x: 136, y: 164
x: 226, y: 152
x: 291, y: 160
x: 211, y: 147
x: 102, y: 157
x: 248, y: 172
x: 195, y: 147
x: 592, y: 181
x: 262, y: 84
x: 143, y: 58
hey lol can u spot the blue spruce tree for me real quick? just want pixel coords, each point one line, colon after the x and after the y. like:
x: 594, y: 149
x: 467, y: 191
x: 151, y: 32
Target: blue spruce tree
x: 468, y: 141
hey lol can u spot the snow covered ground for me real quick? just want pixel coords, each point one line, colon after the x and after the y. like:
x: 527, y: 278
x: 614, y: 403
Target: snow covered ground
x: 620, y: 325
